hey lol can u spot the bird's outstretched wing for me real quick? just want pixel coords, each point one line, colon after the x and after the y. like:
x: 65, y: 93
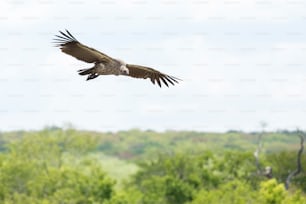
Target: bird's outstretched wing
x: 138, y: 71
x: 71, y: 46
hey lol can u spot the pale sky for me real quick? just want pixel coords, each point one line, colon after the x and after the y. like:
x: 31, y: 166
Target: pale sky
x: 241, y: 62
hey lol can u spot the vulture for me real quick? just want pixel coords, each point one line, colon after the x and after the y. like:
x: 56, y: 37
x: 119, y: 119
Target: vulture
x: 106, y: 65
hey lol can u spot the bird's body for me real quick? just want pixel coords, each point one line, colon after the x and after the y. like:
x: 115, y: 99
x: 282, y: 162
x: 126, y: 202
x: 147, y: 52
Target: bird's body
x: 100, y: 68
x: 105, y: 65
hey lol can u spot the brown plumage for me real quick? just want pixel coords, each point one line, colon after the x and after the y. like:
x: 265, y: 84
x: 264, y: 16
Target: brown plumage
x: 105, y: 65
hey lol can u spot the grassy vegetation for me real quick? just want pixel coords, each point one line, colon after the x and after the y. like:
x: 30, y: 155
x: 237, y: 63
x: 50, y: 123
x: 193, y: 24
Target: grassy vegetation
x: 72, y: 166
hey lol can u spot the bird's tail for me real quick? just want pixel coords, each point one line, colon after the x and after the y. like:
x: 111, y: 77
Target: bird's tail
x: 90, y: 71
x: 86, y: 71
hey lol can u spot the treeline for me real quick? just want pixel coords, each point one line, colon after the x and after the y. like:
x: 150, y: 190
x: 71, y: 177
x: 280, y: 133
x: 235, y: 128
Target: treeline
x: 135, y: 144
x: 70, y: 166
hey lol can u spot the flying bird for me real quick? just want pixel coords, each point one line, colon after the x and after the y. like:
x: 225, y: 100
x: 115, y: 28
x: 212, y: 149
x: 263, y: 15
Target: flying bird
x: 106, y: 65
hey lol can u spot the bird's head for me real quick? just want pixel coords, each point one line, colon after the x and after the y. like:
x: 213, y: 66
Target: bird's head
x: 123, y: 69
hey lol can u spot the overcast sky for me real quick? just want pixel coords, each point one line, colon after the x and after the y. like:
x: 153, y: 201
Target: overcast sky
x: 241, y: 62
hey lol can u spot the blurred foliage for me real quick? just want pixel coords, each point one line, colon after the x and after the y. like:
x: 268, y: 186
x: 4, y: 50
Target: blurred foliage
x: 68, y: 166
